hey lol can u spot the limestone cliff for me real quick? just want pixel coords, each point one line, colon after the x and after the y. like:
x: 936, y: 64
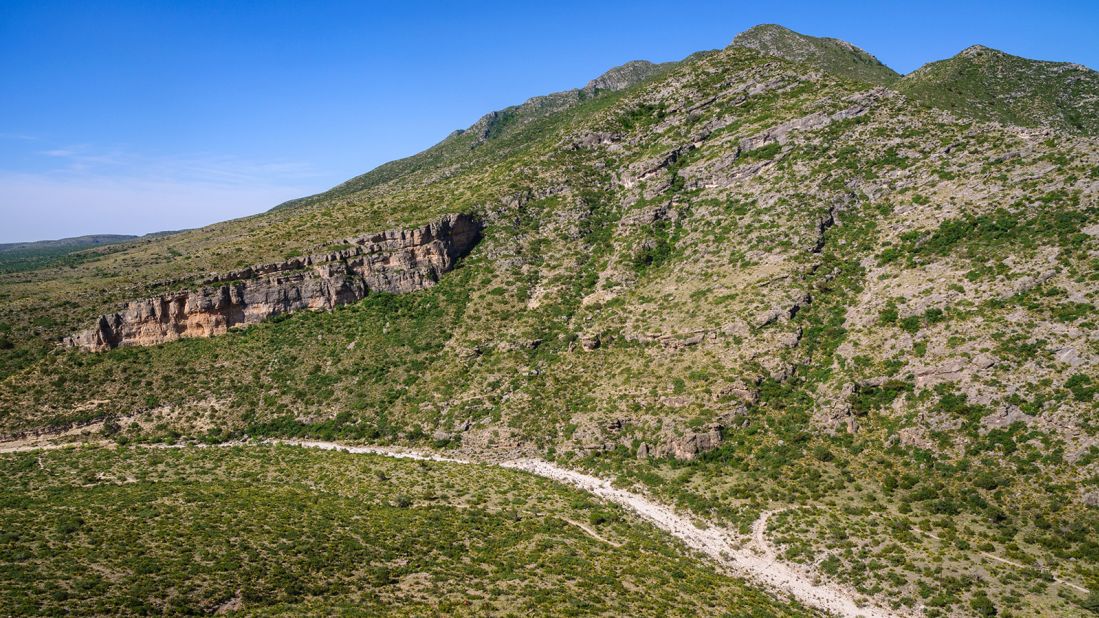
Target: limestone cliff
x: 394, y: 261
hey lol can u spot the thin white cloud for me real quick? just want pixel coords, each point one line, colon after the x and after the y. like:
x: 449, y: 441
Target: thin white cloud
x: 84, y: 190
x: 200, y: 166
x: 41, y: 206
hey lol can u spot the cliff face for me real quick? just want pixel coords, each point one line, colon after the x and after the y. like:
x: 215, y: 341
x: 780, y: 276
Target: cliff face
x: 395, y: 261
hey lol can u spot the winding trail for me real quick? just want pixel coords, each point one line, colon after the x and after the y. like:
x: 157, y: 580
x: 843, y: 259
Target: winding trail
x: 759, y: 533
x: 756, y: 560
x: 1007, y: 561
x: 590, y: 532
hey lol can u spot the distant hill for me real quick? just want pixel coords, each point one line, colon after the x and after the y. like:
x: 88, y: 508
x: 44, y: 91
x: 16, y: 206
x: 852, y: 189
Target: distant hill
x: 992, y: 85
x: 20, y: 256
x: 831, y: 55
x: 70, y: 244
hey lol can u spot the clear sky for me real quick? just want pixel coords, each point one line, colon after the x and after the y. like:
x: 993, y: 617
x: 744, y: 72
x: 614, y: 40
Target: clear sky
x: 132, y: 117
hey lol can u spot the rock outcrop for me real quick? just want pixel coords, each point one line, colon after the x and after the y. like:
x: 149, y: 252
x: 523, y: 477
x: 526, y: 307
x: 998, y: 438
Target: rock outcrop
x: 395, y: 261
x: 623, y: 76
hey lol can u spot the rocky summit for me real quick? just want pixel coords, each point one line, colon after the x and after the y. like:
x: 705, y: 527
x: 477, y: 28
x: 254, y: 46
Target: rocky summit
x: 832, y: 55
x: 845, y: 316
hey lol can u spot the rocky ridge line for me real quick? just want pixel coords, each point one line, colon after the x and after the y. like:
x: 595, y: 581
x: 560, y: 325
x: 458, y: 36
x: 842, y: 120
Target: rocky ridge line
x: 395, y: 261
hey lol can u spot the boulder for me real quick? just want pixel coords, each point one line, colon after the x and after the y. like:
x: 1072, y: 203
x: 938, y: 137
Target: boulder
x: 589, y: 342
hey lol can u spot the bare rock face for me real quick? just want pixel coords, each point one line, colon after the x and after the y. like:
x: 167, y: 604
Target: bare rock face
x: 1090, y: 498
x: 395, y: 261
x: 691, y: 445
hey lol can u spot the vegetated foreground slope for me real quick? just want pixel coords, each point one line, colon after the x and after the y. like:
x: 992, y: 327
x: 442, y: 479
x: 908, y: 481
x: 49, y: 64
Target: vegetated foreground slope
x: 743, y: 283
x: 291, y: 531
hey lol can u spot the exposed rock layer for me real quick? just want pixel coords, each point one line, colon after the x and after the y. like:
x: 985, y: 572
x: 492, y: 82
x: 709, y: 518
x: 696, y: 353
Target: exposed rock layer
x: 394, y: 261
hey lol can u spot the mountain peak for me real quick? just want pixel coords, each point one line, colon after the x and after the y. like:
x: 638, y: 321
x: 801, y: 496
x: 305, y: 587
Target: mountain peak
x: 990, y: 84
x: 974, y: 51
x: 828, y: 54
x: 764, y: 29
x: 623, y: 76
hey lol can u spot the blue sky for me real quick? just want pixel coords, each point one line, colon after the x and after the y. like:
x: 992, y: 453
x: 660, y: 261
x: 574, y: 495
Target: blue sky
x: 131, y: 117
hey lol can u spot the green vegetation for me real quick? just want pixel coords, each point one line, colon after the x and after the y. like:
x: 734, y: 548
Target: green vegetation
x: 763, y: 152
x: 68, y: 252
x: 290, y: 531
x: 985, y: 236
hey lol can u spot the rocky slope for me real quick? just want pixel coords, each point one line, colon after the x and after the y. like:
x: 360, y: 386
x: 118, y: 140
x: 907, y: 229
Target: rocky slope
x: 745, y: 283
x: 395, y: 261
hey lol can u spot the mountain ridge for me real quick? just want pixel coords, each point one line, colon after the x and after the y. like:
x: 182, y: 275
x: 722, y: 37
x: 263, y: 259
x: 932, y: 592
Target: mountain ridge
x: 612, y: 80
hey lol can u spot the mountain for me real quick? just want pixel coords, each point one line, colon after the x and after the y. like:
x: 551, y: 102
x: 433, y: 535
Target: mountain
x: 992, y: 85
x: 74, y: 243
x: 831, y: 55
x: 848, y: 330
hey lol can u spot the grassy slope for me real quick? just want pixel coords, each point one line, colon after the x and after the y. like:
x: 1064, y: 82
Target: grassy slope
x: 289, y: 531
x: 939, y: 221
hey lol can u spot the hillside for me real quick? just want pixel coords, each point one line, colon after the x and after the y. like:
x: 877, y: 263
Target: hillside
x: 741, y: 283
x: 27, y: 256
x: 993, y: 85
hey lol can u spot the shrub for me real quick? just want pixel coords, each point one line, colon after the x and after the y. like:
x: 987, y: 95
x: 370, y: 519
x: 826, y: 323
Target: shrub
x: 763, y: 152
x: 1081, y: 387
x: 982, y: 605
